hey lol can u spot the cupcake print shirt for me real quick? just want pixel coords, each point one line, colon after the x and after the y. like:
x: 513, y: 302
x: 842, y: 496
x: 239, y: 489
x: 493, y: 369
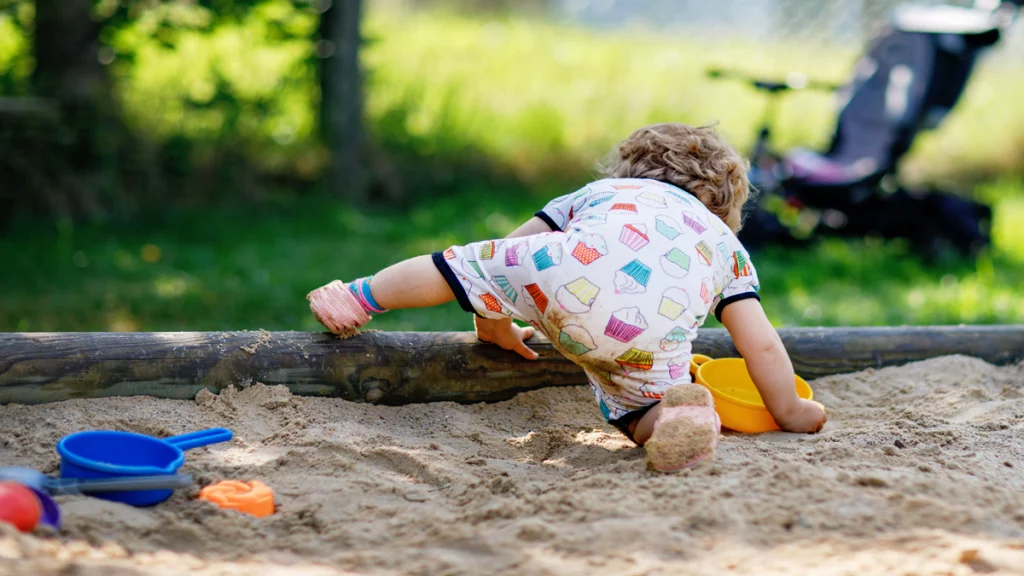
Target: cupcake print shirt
x: 628, y: 272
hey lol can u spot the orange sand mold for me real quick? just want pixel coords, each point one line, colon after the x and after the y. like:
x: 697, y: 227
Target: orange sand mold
x: 253, y: 497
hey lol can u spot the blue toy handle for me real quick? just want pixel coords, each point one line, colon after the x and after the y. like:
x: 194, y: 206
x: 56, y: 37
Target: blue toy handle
x: 200, y: 438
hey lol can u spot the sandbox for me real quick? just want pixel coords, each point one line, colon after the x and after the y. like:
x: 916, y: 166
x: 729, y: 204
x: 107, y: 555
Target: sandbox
x: 919, y: 471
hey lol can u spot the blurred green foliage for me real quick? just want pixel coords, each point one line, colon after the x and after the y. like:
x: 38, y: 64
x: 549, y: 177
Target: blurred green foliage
x: 248, y: 81
x: 15, y: 59
x: 475, y: 123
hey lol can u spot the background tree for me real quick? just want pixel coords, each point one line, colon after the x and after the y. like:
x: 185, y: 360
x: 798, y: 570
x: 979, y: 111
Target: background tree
x: 341, y: 97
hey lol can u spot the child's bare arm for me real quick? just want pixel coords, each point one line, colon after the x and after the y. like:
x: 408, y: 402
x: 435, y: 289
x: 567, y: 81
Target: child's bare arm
x: 770, y: 367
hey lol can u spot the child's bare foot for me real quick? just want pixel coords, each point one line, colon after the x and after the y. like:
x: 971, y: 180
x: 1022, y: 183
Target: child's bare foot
x: 337, y: 308
x: 686, y: 431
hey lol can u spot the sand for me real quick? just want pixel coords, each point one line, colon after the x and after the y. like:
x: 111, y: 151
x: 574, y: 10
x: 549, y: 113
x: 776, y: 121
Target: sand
x: 919, y: 471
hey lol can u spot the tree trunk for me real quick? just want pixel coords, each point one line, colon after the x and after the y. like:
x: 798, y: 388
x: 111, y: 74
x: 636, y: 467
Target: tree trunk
x: 66, y: 46
x: 70, y: 71
x: 341, y: 98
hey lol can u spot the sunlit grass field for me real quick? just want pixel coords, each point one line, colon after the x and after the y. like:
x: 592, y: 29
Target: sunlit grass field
x: 523, y: 91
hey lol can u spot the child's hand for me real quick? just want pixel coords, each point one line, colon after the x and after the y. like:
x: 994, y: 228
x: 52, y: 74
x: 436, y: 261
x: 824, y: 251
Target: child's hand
x: 809, y: 417
x: 506, y: 334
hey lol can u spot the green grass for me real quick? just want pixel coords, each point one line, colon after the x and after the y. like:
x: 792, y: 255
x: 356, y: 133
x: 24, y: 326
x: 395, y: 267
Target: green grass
x: 231, y: 270
x: 222, y: 269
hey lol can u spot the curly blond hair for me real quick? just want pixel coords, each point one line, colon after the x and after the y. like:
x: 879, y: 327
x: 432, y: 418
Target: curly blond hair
x: 694, y: 158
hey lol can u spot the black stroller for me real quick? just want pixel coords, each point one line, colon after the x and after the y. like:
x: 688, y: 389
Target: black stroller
x: 910, y: 78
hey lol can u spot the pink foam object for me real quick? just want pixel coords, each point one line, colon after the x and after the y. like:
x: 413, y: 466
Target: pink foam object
x: 699, y: 415
x: 337, y: 308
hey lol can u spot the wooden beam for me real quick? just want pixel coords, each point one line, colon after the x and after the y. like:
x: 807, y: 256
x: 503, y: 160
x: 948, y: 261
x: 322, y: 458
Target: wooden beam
x: 407, y: 367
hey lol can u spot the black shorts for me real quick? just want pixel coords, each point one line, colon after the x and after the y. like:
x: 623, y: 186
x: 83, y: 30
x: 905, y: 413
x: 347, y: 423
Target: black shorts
x: 623, y: 423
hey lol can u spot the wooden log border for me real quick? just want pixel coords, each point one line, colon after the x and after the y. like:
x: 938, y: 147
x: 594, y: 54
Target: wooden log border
x: 408, y: 367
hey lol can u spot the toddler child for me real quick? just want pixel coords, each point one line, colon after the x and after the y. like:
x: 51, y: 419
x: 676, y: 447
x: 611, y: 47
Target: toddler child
x: 619, y: 276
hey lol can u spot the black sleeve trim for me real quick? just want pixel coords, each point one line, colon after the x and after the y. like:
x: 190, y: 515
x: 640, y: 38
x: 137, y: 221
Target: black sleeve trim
x: 736, y: 298
x: 547, y: 220
x: 453, y: 282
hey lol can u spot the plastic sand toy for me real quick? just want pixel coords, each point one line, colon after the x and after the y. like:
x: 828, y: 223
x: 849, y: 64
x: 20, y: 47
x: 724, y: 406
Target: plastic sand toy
x: 737, y: 401
x: 253, y: 497
x: 19, y: 506
x: 56, y: 486
x: 110, y: 454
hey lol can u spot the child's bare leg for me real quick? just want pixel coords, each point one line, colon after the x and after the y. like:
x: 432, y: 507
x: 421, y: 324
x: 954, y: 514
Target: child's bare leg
x: 414, y: 283
x: 643, y: 428
x: 680, y: 431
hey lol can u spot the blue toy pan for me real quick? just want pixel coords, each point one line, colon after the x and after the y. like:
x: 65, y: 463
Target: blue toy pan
x: 50, y: 510
x: 109, y: 454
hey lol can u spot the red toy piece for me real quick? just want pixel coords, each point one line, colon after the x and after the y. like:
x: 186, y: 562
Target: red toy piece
x: 19, y: 506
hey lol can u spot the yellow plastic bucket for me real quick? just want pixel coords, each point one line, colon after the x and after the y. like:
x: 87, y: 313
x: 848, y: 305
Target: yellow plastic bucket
x: 737, y: 400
